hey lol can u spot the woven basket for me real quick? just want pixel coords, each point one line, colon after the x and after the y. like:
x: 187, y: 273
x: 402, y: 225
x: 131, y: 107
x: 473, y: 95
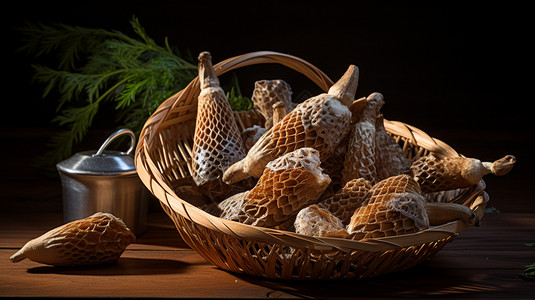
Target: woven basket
x: 163, y: 161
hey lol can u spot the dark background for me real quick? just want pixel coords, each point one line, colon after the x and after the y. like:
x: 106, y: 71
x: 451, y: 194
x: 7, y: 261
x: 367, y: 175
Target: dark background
x: 462, y: 73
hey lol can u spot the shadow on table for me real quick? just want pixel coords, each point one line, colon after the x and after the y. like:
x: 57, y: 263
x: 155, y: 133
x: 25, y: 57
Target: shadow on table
x: 419, y: 281
x: 124, y: 266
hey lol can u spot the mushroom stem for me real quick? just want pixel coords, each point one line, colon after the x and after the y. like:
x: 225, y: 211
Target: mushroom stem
x: 346, y: 87
x: 207, y: 75
x: 443, y: 212
x: 236, y: 172
x: 18, y: 256
x: 279, y: 112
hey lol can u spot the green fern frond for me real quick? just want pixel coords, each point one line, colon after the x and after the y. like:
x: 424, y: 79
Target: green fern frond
x: 96, y: 66
x: 140, y: 31
x: 78, y: 119
x: 70, y: 43
x: 73, y: 86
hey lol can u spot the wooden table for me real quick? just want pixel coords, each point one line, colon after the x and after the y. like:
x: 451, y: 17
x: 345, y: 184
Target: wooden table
x: 482, y: 262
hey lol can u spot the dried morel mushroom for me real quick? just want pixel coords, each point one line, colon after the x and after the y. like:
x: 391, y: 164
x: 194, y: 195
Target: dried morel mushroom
x: 267, y: 93
x: 251, y: 135
x: 344, y: 202
x: 395, y: 207
x: 97, y: 239
x: 360, y: 155
x: 389, y: 157
x: 229, y: 209
x: 449, y: 173
x: 287, y: 184
x: 316, y: 221
x: 320, y: 122
x: 217, y: 142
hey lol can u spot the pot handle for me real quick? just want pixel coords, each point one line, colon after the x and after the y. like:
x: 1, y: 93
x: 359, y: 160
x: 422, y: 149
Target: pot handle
x: 115, y: 135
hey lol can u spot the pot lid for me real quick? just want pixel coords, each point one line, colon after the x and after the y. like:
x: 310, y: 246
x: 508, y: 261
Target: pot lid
x: 102, y: 161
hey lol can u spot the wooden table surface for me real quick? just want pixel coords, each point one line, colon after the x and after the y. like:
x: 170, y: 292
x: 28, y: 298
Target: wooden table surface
x: 482, y: 262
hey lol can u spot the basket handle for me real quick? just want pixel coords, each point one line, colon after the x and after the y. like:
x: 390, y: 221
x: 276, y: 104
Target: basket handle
x: 192, y: 90
x: 264, y: 57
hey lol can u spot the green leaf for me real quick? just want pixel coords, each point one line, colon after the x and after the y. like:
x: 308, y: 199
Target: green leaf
x: 96, y: 66
x: 529, y: 273
x: 142, y: 33
x: 78, y: 119
x: 238, y: 102
x: 235, y: 98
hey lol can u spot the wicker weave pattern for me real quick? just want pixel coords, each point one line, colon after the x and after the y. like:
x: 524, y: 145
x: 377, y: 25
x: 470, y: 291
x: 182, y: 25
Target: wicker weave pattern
x: 163, y: 161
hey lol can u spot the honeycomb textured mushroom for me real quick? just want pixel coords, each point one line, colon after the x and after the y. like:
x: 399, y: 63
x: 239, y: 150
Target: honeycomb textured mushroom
x: 319, y: 222
x: 434, y: 174
x: 229, y: 208
x: 320, y: 122
x: 251, y: 135
x: 389, y: 157
x: 267, y: 93
x: 217, y: 142
x: 334, y: 165
x: 360, y: 155
x: 97, y: 239
x: 344, y: 202
x: 288, y: 184
x: 396, y: 206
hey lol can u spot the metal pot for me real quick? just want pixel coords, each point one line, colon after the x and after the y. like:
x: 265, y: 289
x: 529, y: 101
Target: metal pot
x: 104, y: 181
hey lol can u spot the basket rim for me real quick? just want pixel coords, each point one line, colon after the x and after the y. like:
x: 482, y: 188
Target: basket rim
x: 153, y: 180
x: 276, y: 236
